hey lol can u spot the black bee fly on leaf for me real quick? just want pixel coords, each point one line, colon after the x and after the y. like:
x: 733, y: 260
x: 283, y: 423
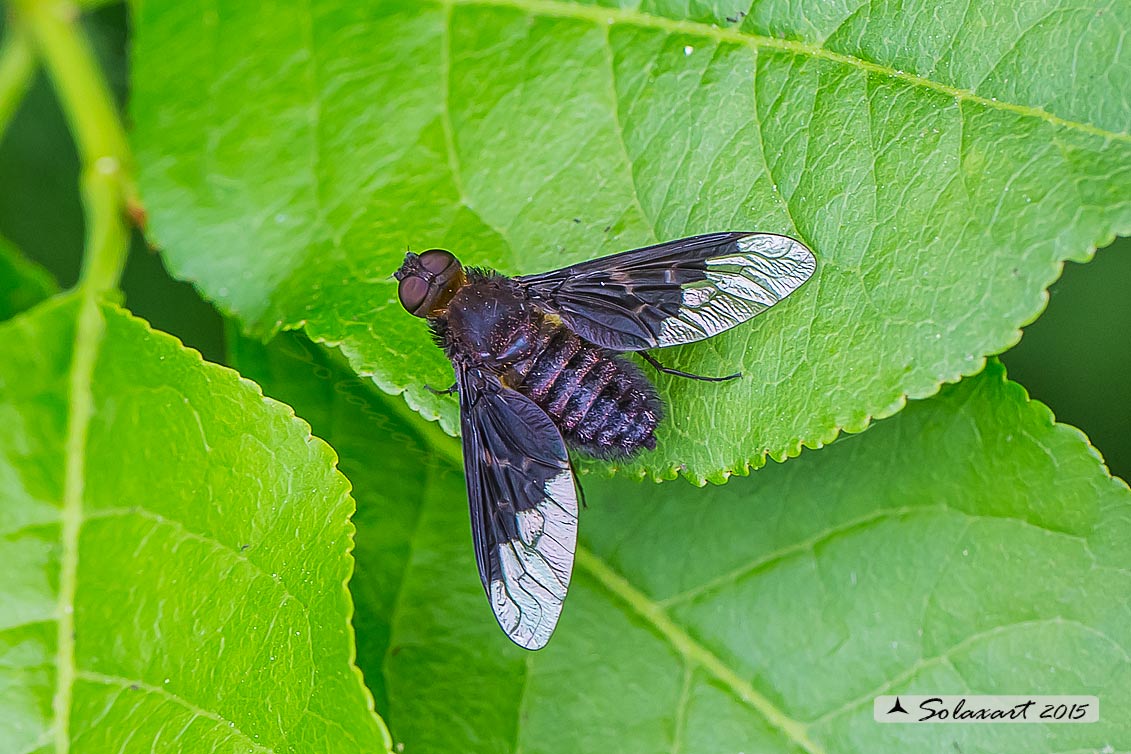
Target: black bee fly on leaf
x: 538, y: 371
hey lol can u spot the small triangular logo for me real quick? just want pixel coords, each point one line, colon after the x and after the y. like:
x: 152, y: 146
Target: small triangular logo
x: 897, y: 707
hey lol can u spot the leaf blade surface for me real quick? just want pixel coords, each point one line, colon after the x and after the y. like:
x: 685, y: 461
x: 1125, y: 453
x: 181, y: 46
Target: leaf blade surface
x: 206, y: 576
x: 940, y: 192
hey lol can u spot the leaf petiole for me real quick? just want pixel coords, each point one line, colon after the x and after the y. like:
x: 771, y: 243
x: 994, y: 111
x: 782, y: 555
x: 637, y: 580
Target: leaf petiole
x: 17, y: 64
x: 107, y: 175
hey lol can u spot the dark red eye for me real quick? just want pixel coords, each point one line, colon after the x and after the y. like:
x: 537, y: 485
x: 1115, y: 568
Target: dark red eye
x: 412, y: 291
x: 436, y: 260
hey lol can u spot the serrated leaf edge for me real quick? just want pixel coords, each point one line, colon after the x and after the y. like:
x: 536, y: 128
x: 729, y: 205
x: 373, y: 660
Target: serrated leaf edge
x: 634, y: 17
x: 89, y: 331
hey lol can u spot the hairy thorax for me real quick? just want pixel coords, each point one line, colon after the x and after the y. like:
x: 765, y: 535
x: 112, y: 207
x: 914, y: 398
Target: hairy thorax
x: 603, y: 405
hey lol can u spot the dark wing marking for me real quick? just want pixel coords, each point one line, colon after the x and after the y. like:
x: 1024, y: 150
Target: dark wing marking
x: 676, y: 292
x: 523, y: 506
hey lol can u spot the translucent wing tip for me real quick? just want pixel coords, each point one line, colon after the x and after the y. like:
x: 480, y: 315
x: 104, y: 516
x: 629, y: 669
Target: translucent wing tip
x: 788, y: 261
x: 534, y: 564
x: 748, y: 275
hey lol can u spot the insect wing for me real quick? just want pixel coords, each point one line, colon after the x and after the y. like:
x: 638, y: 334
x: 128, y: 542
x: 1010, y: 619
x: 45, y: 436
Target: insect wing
x: 523, y: 500
x: 676, y: 292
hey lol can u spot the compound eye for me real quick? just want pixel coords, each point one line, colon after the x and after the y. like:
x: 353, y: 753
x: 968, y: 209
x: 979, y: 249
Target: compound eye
x: 436, y: 260
x: 412, y: 291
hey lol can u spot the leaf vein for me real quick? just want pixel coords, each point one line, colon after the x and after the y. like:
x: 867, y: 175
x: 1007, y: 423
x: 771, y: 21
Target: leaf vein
x: 619, y: 127
x: 693, y: 651
x: 681, y: 709
x: 969, y: 641
x: 454, y: 166
x: 315, y: 112
x: 824, y: 536
x: 139, y: 685
x: 89, y: 331
x: 775, y: 188
x: 1020, y: 38
x: 805, y: 545
x: 608, y: 16
x: 187, y: 533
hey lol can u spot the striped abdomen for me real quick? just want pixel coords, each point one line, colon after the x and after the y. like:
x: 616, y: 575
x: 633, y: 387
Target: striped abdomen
x: 603, y: 404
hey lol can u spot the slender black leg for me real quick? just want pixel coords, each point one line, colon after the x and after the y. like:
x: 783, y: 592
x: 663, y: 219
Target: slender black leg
x: 660, y: 367
x: 449, y: 391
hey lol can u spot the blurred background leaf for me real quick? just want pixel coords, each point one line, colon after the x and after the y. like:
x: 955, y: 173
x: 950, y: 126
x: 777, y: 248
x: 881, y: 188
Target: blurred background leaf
x: 763, y: 615
x: 23, y: 283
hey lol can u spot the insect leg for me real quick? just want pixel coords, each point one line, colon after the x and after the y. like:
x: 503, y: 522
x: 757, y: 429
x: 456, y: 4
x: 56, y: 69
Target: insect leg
x: 661, y: 368
x: 449, y: 391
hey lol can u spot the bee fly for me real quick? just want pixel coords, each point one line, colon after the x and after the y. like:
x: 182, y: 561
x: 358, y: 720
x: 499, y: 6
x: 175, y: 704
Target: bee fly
x: 538, y: 371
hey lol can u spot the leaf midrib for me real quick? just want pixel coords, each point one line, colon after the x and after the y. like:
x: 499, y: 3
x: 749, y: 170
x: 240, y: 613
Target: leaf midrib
x: 89, y: 331
x: 692, y: 651
x: 631, y: 17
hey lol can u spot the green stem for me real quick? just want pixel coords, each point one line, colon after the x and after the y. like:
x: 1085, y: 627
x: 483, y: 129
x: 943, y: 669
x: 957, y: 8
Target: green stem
x: 107, y: 232
x: 17, y: 64
x: 108, y: 192
x: 92, y: 114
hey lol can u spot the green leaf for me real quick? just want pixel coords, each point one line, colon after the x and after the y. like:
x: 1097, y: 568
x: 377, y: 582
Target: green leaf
x: 180, y: 576
x: 968, y: 545
x: 23, y: 283
x: 942, y: 162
